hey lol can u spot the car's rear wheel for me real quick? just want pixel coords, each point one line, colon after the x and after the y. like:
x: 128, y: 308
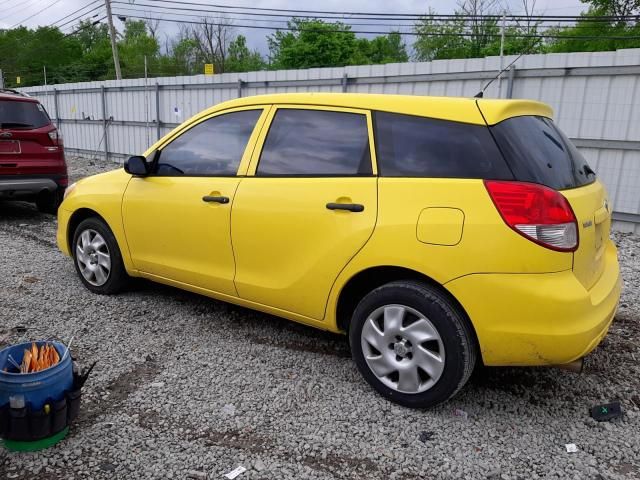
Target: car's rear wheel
x: 48, y: 202
x: 412, y: 343
x: 97, y: 257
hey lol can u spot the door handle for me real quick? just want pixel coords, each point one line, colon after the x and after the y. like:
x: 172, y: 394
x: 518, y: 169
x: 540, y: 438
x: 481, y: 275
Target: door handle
x: 209, y: 198
x: 352, y: 207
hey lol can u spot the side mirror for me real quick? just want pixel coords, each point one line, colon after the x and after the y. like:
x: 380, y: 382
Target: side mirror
x: 136, y: 165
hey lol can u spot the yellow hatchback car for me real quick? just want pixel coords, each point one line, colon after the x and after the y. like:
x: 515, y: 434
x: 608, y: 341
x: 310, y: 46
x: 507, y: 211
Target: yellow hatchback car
x: 436, y: 232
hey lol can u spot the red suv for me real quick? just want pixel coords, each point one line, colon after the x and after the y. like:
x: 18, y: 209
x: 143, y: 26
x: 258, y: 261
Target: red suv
x: 32, y: 165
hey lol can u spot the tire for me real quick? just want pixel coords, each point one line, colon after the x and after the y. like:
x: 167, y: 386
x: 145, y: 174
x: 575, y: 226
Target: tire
x: 48, y: 202
x: 412, y: 344
x: 97, y: 258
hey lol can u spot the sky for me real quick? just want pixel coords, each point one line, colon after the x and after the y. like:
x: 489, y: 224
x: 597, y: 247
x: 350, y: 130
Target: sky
x: 33, y: 13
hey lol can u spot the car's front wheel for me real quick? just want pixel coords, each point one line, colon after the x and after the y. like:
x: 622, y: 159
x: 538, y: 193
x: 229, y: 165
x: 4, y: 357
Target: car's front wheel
x: 97, y: 257
x: 412, y: 343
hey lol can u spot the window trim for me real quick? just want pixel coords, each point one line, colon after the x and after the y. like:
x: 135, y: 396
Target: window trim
x: 189, y: 124
x: 257, y: 152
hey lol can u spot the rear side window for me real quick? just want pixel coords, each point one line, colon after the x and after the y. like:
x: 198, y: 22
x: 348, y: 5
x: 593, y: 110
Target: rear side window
x: 411, y: 146
x: 16, y: 114
x: 316, y: 142
x: 213, y: 147
x: 537, y: 151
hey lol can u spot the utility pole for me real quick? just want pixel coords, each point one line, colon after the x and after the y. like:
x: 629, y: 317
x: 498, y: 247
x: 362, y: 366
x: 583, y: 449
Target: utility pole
x: 112, y: 35
x: 501, y: 55
x: 44, y: 68
x: 1, y: 79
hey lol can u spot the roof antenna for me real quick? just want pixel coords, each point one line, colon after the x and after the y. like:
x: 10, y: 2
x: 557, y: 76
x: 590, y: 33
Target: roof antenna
x: 480, y: 94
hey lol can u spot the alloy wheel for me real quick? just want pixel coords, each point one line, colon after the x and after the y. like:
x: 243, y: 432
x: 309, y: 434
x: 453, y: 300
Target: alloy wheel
x: 402, y: 348
x: 93, y: 257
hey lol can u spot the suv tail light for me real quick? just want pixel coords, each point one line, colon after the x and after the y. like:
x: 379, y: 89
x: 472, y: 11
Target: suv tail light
x: 55, y: 137
x: 536, y: 212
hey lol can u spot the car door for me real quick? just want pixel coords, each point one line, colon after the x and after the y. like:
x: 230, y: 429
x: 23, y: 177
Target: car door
x: 177, y: 219
x: 306, y: 207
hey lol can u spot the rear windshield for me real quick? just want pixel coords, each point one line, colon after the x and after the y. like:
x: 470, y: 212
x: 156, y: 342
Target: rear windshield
x: 15, y: 114
x: 537, y: 151
x: 412, y: 146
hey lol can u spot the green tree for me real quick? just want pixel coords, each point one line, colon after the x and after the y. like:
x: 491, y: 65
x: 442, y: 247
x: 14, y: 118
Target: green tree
x: 96, y: 62
x: 24, y: 53
x: 388, y: 48
x: 241, y: 59
x: 595, y: 34
x: 437, y: 40
x: 135, y: 45
x: 312, y: 43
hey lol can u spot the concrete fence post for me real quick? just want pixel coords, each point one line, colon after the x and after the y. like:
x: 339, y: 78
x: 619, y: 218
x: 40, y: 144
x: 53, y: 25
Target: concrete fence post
x: 344, y: 82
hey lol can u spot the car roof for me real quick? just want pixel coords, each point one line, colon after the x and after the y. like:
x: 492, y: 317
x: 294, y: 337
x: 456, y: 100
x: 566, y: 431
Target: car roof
x: 16, y: 96
x: 458, y: 109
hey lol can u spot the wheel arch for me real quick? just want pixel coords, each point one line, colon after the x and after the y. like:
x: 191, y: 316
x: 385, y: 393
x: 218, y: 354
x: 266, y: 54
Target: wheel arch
x: 76, y: 218
x: 371, y: 278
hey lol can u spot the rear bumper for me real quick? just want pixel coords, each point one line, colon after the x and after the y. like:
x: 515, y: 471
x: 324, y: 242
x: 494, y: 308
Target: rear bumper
x: 26, y: 185
x: 539, y: 319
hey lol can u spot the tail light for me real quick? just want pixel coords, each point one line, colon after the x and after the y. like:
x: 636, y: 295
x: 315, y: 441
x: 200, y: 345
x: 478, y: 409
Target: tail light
x: 55, y: 137
x: 536, y: 212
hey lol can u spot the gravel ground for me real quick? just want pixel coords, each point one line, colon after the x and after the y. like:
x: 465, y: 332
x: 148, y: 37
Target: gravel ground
x: 188, y: 387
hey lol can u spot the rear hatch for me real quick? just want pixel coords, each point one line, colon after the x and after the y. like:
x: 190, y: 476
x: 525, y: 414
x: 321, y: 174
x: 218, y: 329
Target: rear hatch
x: 537, y: 151
x: 29, y: 143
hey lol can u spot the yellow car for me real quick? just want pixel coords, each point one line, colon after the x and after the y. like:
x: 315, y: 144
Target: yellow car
x: 436, y: 232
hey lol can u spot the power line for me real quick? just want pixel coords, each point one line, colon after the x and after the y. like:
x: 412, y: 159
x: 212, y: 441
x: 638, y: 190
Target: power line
x: 36, y: 14
x: 4, y: 3
x: 78, y: 10
x: 434, y: 17
x: 411, y: 33
x: 301, y: 13
x: 142, y: 12
x: 391, y: 25
x: 19, y: 9
x: 82, y: 16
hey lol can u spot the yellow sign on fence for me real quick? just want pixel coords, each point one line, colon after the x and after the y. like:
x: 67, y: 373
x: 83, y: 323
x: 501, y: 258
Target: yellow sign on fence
x: 18, y: 80
x: 208, y: 68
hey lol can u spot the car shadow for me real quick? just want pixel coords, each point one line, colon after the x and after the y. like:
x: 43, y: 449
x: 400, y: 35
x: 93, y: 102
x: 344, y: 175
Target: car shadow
x: 17, y: 212
x: 256, y: 326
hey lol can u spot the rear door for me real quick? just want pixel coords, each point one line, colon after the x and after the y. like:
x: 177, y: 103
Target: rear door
x: 307, y: 206
x: 537, y: 151
x: 25, y: 145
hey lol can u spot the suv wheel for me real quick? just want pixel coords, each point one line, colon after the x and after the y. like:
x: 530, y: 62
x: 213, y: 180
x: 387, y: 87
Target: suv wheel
x: 97, y: 257
x: 412, y: 344
x: 48, y: 202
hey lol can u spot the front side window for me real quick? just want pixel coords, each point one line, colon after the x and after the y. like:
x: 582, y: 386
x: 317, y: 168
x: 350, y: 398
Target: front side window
x: 413, y: 146
x: 316, y: 142
x: 213, y: 147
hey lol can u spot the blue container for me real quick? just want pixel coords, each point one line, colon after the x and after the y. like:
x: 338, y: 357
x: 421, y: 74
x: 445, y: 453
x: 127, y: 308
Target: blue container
x: 38, y: 387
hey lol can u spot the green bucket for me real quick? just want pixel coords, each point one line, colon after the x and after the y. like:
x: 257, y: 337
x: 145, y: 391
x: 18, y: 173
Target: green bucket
x: 16, y: 446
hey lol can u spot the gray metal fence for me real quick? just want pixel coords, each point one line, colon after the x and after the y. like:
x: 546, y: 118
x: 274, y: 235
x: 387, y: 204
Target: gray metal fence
x: 595, y: 95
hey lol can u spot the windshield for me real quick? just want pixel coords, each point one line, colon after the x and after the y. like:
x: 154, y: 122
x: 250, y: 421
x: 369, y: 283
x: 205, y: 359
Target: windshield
x: 22, y: 115
x: 537, y: 151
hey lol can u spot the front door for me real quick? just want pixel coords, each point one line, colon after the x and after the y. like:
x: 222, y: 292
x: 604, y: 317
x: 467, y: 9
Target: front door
x: 177, y: 220
x: 307, y: 206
